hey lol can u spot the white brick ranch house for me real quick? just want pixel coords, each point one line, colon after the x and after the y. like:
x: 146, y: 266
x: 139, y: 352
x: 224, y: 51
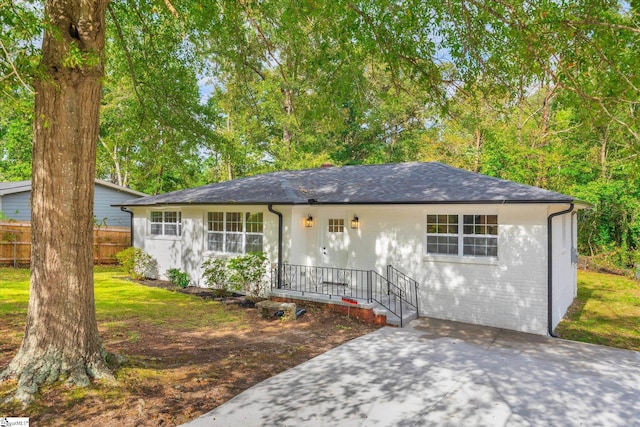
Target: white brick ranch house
x: 483, y: 250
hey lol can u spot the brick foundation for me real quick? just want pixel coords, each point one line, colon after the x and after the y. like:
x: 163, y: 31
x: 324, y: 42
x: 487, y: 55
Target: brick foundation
x: 365, y: 315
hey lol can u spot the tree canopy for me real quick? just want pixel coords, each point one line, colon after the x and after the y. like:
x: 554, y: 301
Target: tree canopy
x: 544, y: 93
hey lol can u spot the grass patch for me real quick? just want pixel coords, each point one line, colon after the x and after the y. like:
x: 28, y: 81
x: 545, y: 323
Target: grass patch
x: 120, y: 301
x: 606, y: 311
x: 124, y: 310
x: 14, y: 293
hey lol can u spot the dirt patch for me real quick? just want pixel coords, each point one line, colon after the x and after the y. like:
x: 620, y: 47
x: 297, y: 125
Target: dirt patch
x: 173, y: 375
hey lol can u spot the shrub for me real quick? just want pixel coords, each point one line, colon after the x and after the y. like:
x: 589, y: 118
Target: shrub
x: 247, y: 272
x: 179, y: 278
x: 614, y: 260
x: 216, y: 274
x: 137, y: 263
x: 244, y: 273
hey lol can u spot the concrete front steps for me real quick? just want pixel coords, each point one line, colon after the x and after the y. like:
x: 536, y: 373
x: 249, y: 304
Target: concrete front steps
x: 408, y: 314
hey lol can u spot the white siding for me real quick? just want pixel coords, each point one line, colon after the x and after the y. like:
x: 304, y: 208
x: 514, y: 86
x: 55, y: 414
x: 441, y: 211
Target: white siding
x: 188, y: 251
x: 508, y: 292
x: 192, y: 242
x: 564, y: 240
x: 167, y: 250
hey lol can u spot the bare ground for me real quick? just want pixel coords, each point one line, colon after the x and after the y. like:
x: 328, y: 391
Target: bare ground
x: 173, y: 375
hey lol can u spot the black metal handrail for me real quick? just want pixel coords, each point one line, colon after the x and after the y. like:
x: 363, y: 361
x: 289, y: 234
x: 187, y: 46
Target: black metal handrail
x: 392, y: 292
x: 388, y: 295
x: 330, y: 281
x: 408, y: 285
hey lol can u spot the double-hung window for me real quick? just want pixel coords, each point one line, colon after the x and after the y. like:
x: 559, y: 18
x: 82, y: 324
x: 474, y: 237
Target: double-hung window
x: 166, y: 223
x: 462, y: 235
x: 253, y: 232
x: 234, y: 232
x: 442, y: 234
x: 480, y: 235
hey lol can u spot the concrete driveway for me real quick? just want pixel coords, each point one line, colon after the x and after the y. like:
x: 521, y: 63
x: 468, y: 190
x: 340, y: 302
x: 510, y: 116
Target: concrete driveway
x: 446, y: 374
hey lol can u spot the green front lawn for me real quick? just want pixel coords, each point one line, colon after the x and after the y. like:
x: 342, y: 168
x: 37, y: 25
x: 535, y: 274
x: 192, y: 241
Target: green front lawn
x: 606, y: 311
x: 118, y: 302
x: 118, y: 299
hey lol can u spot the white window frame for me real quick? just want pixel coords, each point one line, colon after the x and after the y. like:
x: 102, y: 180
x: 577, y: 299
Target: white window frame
x: 245, y: 224
x: 486, y: 236
x: 446, y: 234
x: 249, y: 224
x: 460, y: 236
x: 164, y: 224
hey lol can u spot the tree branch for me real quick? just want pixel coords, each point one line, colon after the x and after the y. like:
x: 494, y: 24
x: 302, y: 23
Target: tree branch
x: 270, y: 51
x: 172, y: 9
x: 127, y: 54
x: 603, y: 24
x: 620, y: 122
x: 15, y: 71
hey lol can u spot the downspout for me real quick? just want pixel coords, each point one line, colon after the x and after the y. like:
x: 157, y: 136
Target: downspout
x: 550, y: 269
x: 123, y: 209
x: 280, y: 222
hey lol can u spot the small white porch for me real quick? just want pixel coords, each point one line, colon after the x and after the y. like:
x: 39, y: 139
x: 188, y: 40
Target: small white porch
x: 394, y: 296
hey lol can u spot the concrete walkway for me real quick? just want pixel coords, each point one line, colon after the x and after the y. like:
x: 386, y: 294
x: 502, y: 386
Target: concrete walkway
x: 446, y: 374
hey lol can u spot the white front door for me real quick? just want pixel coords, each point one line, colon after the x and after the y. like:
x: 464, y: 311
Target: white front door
x: 334, y: 238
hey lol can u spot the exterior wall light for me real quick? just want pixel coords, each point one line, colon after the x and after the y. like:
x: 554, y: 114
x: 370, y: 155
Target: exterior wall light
x: 308, y: 221
x: 355, y: 222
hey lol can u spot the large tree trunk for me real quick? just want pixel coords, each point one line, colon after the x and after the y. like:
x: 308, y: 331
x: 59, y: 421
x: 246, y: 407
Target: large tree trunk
x: 61, y: 337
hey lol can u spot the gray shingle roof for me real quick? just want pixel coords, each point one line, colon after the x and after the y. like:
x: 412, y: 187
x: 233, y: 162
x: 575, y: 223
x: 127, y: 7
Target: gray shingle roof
x: 399, y: 183
x: 14, y: 187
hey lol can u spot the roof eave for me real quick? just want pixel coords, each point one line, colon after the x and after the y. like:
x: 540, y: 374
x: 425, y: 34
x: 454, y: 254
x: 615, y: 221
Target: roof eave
x: 201, y: 204
x: 120, y: 188
x: 579, y: 204
x: 17, y: 190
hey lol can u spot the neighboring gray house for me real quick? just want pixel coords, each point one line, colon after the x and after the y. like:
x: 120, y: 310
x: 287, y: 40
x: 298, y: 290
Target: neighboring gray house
x: 15, y: 202
x: 483, y: 250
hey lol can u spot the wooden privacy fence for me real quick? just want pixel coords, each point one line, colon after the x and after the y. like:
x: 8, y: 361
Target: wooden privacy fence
x: 15, y: 243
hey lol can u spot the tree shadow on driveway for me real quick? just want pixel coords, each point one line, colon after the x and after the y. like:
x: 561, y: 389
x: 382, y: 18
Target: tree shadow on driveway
x: 445, y: 373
